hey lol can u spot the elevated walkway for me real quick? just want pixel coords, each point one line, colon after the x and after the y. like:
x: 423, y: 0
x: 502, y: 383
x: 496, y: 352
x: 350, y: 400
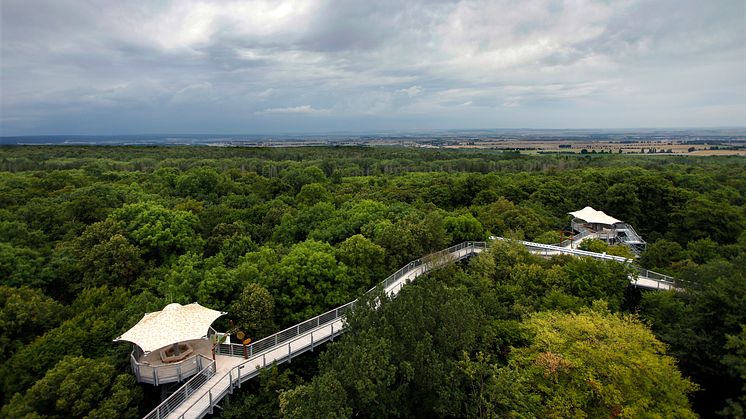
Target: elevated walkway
x: 621, y: 233
x: 641, y: 278
x: 235, y: 364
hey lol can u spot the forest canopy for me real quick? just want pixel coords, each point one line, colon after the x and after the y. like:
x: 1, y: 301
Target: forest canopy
x: 93, y: 237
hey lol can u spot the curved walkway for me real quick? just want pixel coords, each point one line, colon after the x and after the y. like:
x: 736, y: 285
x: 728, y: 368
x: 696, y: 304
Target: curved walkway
x: 235, y: 363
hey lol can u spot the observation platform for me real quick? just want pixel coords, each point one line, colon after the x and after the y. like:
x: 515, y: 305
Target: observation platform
x: 235, y: 364
x: 156, y: 368
x: 172, y: 344
x: 591, y: 224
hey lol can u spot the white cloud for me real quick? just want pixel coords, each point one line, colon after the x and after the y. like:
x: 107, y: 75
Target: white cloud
x: 222, y: 60
x: 303, y: 109
x: 411, y: 91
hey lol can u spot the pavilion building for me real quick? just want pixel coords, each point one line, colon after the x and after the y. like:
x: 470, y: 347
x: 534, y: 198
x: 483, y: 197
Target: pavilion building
x: 172, y: 344
x: 589, y: 223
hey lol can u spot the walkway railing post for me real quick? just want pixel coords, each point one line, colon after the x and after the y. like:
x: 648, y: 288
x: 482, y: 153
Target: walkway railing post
x: 395, y: 281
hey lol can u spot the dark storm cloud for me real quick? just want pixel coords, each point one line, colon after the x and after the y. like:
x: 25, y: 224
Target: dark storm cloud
x: 235, y: 66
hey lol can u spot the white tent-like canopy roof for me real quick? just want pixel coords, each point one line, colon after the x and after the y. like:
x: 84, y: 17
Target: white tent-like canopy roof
x: 175, y: 323
x: 590, y: 215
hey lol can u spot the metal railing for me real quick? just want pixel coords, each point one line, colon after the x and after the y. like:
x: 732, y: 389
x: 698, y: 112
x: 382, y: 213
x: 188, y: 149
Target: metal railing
x: 579, y: 226
x: 630, y: 238
x: 662, y: 281
x: 165, y: 373
x: 429, y: 262
x: 182, y: 394
x: 632, y: 235
x: 550, y: 249
x: 287, y: 337
x: 253, y: 352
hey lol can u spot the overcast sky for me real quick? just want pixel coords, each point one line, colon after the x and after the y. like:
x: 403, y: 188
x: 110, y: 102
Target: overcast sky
x: 125, y: 67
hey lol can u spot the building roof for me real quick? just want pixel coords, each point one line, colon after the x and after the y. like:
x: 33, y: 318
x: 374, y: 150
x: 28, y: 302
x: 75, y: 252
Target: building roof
x: 590, y: 215
x: 175, y: 323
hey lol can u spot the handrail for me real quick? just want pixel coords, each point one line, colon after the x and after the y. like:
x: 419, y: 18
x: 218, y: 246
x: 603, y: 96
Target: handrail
x: 670, y: 281
x: 389, y: 285
x: 659, y: 278
x: 632, y: 235
x: 286, y: 334
x: 293, y: 333
x: 577, y: 252
x: 132, y: 355
x: 182, y: 393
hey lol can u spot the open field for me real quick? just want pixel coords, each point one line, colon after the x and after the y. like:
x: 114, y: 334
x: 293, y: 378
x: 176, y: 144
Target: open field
x: 640, y: 147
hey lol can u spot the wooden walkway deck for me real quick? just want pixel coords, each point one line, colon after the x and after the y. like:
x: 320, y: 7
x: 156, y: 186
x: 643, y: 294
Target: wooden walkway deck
x: 231, y: 369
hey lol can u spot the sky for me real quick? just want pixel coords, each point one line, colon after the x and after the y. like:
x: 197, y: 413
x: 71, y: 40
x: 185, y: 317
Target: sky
x: 253, y: 67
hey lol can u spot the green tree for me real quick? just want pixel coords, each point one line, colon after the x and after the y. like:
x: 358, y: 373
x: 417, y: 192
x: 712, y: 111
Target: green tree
x: 594, y: 245
x: 93, y: 203
x: 297, y: 176
x: 309, y: 280
x: 20, y: 266
x: 364, y: 259
x: 18, y: 233
x: 219, y: 286
x: 78, y: 387
x: 522, y: 219
x: 313, y: 193
x: 702, y: 250
x: 597, y: 364
x: 621, y: 201
x: 696, y: 325
x: 700, y: 217
x: 368, y: 373
x: 464, y: 228
x: 101, y: 314
x: 495, y: 392
x: 233, y: 248
x: 202, y: 183
x: 591, y: 280
x: 219, y: 234
x: 620, y: 250
x: 397, y: 359
x: 661, y: 254
x: 25, y: 313
x: 114, y: 262
x: 397, y: 239
x: 552, y: 194
x: 735, y: 361
x: 325, y: 394
x: 548, y: 237
x: 253, y: 311
x: 264, y: 403
x: 179, y: 282
x: 159, y: 231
